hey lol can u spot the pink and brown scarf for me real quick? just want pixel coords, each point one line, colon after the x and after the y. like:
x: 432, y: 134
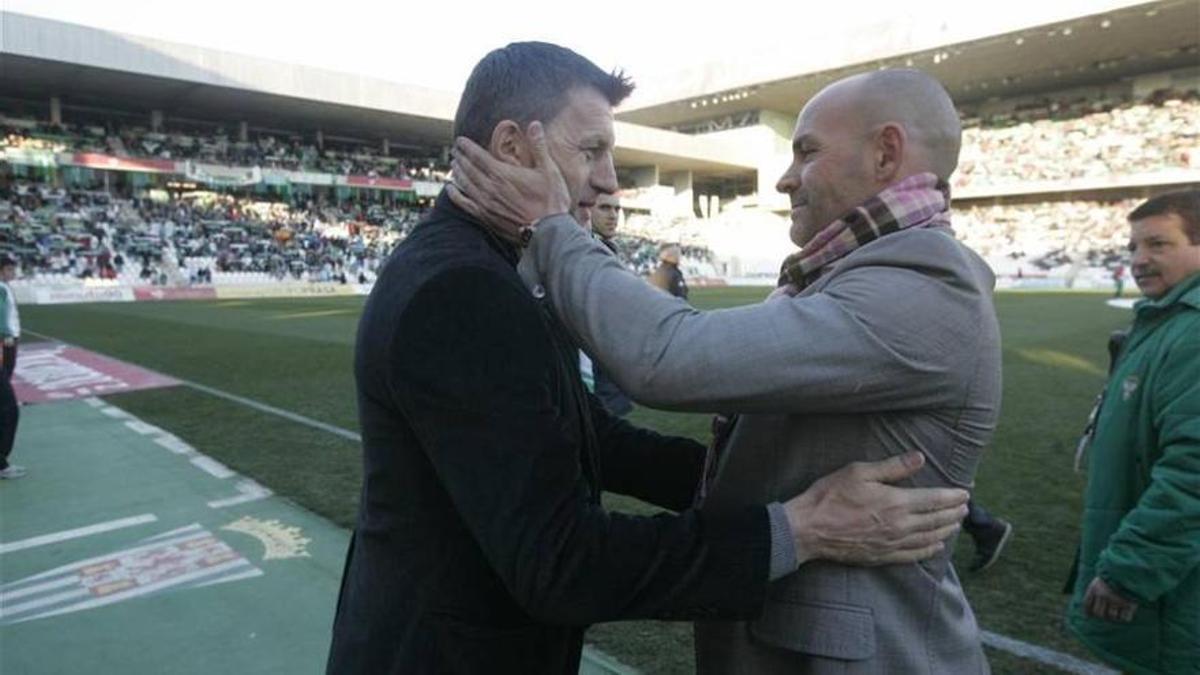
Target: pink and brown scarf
x: 921, y: 200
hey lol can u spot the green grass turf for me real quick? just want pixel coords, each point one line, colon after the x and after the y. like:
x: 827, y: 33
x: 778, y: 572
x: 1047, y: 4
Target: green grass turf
x: 296, y: 354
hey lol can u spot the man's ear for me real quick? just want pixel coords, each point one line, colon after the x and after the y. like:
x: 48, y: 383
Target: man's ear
x: 891, y: 143
x: 509, y: 145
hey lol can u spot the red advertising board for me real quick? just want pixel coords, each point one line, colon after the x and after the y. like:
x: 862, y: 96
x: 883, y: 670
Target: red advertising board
x: 379, y: 183
x: 95, y: 160
x: 143, y: 293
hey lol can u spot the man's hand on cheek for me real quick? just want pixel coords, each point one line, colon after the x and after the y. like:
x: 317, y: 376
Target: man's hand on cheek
x: 505, y: 196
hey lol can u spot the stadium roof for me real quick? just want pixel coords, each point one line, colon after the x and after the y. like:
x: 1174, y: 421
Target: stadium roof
x: 1051, y: 47
x: 980, y: 57
x: 91, y: 67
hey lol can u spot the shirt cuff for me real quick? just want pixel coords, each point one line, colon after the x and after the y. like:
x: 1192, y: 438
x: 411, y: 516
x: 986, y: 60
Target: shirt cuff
x: 783, y: 548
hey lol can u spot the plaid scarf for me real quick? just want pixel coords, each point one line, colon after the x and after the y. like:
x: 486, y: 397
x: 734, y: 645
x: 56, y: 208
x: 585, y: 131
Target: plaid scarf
x: 921, y: 200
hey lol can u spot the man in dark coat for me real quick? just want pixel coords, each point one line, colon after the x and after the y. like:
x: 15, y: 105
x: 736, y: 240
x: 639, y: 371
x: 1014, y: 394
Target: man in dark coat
x: 481, y: 544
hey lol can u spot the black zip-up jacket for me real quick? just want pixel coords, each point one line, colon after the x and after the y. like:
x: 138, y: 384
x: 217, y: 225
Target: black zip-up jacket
x: 481, y: 545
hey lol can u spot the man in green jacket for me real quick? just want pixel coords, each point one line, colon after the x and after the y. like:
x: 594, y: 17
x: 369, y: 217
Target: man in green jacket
x: 1136, y: 601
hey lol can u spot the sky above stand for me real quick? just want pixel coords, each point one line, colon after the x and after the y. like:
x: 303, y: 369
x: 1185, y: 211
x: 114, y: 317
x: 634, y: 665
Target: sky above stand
x: 435, y: 44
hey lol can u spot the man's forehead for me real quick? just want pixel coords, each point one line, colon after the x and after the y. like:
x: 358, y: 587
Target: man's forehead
x: 586, y: 118
x: 830, y: 107
x: 1161, y: 226
x: 808, y: 125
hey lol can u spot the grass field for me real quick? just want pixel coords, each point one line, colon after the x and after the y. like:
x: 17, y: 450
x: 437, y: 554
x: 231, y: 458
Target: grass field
x: 296, y: 354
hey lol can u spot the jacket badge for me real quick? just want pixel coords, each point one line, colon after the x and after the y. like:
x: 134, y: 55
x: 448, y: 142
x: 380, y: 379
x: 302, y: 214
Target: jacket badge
x: 1128, y: 387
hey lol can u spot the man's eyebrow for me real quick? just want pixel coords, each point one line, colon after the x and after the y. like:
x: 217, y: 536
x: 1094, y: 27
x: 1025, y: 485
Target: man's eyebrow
x: 801, y: 140
x: 595, y: 140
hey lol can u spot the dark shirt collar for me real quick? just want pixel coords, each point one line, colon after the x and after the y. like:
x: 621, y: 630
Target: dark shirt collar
x: 444, y: 207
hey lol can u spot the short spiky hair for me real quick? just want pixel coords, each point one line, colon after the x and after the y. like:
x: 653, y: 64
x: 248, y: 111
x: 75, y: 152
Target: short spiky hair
x: 1183, y: 203
x: 529, y: 81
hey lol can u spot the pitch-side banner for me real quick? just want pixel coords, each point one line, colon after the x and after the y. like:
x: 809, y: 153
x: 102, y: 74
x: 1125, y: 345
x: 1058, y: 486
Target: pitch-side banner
x: 58, y: 296
x: 144, y: 293
x: 301, y: 290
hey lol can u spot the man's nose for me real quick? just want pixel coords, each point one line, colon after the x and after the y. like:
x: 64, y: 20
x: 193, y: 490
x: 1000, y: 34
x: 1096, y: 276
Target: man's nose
x: 1139, y: 257
x: 604, y: 178
x: 787, y: 182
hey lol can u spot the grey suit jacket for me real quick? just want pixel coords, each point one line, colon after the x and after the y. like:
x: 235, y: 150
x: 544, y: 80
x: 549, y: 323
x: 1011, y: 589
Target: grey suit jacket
x: 896, y: 348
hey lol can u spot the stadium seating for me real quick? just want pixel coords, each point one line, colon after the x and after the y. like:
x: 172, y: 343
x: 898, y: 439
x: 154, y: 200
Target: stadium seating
x: 203, y: 237
x: 261, y: 149
x: 210, y: 237
x: 1080, y: 138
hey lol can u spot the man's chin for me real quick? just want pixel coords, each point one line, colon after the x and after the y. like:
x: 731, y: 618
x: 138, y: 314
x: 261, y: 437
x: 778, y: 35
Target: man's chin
x: 800, y: 234
x: 1151, y: 288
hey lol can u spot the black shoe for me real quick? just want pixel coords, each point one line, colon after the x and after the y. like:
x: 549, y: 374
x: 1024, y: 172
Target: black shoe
x: 989, y: 543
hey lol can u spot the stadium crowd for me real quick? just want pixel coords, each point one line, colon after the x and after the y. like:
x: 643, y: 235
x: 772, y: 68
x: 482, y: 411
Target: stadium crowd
x: 95, y: 234
x: 1042, y: 236
x: 218, y: 146
x: 85, y: 234
x: 1080, y: 138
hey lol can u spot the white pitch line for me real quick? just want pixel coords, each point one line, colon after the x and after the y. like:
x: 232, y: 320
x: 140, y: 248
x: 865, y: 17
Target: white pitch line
x: 248, y: 491
x: 37, y: 588
x: 76, y: 533
x: 143, y: 428
x: 212, y: 467
x: 278, y: 412
x: 1049, y: 657
x: 175, y: 445
x: 8, y: 610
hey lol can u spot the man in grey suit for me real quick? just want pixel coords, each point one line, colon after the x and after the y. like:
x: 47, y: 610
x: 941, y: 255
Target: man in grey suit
x: 882, y: 338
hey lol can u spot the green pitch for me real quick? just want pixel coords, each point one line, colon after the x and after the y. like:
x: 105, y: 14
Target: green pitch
x: 297, y: 355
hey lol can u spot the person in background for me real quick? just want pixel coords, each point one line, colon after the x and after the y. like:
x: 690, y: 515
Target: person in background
x: 605, y: 217
x: 668, y: 276
x: 1136, y: 582
x: 10, y: 333
x: 989, y: 533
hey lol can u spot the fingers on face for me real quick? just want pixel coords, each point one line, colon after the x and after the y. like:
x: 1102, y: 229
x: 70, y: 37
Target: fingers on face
x: 542, y: 148
x: 462, y: 178
x: 465, y: 167
x: 462, y: 200
x: 466, y: 149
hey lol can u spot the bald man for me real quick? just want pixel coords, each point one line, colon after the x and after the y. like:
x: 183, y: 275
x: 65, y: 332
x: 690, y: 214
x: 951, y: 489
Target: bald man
x: 882, y: 338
